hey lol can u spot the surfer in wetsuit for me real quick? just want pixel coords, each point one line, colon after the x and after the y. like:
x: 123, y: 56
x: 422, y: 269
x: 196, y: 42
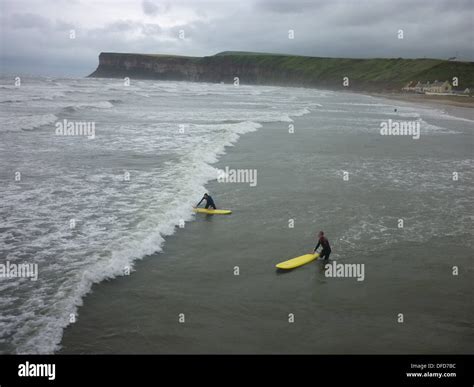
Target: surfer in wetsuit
x: 324, y: 243
x: 209, y: 202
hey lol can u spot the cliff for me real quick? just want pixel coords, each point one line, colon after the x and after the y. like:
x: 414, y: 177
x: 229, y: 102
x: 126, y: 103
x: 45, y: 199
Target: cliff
x: 285, y: 70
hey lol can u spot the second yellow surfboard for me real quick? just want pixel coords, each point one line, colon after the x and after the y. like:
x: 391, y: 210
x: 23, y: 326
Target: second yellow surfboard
x: 213, y: 212
x: 298, y: 261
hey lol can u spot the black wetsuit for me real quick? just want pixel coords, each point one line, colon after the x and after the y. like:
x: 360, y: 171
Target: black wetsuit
x: 209, y: 202
x: 326, y: 251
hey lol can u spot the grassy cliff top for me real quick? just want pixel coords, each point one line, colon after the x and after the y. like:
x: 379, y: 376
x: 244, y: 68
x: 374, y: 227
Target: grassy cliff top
x: 382, y: 70
x: 385, y: 73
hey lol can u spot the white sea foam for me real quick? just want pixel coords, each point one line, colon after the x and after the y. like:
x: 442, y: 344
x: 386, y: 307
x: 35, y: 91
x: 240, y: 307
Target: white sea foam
x: 117, y: 221
x: 90, y: 105
x: 27, y: 122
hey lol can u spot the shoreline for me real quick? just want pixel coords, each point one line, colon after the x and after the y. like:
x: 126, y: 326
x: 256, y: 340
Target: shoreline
x: 434, y: 100
x: 431, y: 100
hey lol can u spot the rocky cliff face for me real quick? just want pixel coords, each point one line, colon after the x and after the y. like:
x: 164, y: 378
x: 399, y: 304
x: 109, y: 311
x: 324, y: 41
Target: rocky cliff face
x: 284, y: 70
x: 206, y: 69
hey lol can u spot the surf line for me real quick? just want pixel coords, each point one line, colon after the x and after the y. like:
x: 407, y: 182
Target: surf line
x: 345, y: 270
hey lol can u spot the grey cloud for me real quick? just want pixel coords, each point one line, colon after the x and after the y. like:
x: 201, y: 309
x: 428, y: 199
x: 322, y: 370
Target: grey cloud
x: 29, y: 21
x: 149, y: 7
x: 64, y: 26
x: 153, y: 8
x: 286, y: 7
x: 124, y: 28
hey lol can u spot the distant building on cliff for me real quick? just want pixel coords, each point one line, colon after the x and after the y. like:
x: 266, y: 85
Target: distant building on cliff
x: 439, y: 87
x: 410, y: 86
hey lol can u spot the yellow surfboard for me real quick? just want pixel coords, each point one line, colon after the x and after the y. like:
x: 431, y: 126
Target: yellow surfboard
x: 298, y: 261
x: 212, y: 212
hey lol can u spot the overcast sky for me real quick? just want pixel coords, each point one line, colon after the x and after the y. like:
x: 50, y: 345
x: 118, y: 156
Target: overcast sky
x: 35, y: 34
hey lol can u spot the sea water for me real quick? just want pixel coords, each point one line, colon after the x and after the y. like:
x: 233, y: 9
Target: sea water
x: 96, y: 173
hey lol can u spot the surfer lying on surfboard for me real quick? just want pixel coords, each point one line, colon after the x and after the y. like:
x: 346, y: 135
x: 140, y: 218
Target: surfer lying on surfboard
x: 209, y: 202
x: 324, y: 243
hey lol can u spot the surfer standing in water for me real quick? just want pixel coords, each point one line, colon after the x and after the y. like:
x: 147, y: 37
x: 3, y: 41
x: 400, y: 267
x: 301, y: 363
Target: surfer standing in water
x: 323, y: 241
x: 209, y: 202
